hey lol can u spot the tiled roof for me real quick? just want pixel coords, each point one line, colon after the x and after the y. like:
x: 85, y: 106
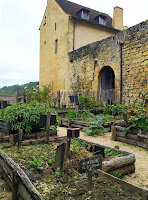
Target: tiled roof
x: 72, y: 9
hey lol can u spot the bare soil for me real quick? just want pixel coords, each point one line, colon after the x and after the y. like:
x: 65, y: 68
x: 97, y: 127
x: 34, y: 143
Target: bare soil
x: 72, y: 185
x: 140, y: 177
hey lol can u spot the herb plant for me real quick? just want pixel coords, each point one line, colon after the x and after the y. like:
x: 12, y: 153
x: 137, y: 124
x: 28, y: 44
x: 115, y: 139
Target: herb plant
x: 95, y: 129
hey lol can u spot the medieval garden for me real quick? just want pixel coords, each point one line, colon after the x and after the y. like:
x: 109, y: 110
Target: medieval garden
x: 82, y: 133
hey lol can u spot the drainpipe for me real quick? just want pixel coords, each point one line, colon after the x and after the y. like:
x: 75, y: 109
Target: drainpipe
x: 121, y: 81
x: 74, y: 31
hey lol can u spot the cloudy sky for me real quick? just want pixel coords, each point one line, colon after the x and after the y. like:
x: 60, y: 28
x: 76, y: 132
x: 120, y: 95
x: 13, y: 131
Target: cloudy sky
x: 19, y: 33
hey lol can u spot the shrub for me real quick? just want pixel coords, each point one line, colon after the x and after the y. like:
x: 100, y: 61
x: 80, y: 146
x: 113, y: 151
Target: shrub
x: 26, y: 116
x: 87, y: 101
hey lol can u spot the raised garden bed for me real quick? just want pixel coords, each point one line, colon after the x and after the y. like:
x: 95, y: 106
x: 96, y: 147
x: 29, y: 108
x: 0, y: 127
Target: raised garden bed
x: 71, y: 184
x: 78, y: 124
x: 133, y: 138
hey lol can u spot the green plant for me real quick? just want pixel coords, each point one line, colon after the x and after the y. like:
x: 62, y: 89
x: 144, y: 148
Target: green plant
x: 112, y: 153
x: 26, y: 116
x: 119, y: 175
x: 95, y: 129
x: 87, y: 101
x: 57, y: 172
x: 139, y: 122
x: 114, y: 109
x: 51, y: 161
x: 35, y: 164
x: 39, y: 94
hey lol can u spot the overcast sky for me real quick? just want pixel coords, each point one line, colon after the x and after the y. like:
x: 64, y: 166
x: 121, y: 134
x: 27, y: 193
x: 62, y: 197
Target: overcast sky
x: 19, y: 33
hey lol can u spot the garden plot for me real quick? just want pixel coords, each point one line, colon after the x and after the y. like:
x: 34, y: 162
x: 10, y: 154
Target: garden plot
x: 38, y: 163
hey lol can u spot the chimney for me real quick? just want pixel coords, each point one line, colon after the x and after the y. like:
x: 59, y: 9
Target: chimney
x: 117, y: 21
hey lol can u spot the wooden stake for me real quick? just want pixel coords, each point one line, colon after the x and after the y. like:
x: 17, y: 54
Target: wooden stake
x: 48, y: 127
x: 76, y: 110
x: 10, y: 138
x: 15, y: 186
x: 20, y: 138
x: 63, y: 157
x: 93, y: 148
x: 147, y: 141
x: 89, y: 180
x: 69, y: 123
x: 113, y: 133
x: 2, y: 109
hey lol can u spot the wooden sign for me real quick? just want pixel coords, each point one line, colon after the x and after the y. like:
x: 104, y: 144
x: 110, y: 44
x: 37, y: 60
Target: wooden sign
x: 62, y: 154
x: 90, y: 163
x: 73, y: 132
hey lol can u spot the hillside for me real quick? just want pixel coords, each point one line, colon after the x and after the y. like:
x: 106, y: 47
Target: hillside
x: 11, y: 90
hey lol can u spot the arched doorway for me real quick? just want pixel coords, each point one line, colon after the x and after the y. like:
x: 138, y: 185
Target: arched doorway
x: 107, y: 85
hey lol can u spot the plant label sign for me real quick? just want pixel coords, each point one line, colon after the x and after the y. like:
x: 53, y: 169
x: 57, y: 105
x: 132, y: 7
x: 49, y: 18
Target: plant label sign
x: 90, y: 163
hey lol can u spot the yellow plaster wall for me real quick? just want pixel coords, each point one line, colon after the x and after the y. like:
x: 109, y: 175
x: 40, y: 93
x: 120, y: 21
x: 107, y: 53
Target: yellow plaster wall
x: 54, y: 66
x: 86, y: 33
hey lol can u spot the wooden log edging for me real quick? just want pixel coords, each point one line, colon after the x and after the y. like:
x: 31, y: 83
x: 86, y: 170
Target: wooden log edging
x: 130, y: 138
x: 124, y: 164
x: 81, y: 125
x: 25, y: 189
x: 142, y: 192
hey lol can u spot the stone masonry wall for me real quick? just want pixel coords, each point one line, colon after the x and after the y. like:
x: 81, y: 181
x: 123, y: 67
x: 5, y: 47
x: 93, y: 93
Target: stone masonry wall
x: 10, y: 99
x: 87, y: 62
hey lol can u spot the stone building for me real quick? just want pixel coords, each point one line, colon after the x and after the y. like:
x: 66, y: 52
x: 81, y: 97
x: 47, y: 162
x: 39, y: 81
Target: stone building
x: 116, y: 67
x: 81, y: 44
x: 65, y: 27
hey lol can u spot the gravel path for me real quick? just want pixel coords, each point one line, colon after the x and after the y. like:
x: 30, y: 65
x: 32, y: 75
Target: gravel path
x: 140, y: 177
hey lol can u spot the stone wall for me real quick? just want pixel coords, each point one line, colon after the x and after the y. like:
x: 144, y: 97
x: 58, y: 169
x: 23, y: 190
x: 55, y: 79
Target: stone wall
x: 10, y: 99
x: 127, y: 49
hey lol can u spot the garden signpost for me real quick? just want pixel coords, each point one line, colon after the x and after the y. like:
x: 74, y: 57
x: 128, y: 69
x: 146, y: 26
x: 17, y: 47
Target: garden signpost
x: 48, y: 127
x: 88, y: 164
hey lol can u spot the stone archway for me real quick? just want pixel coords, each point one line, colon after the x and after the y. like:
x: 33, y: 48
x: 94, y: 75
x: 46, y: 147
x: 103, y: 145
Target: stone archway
x: 107, y: 85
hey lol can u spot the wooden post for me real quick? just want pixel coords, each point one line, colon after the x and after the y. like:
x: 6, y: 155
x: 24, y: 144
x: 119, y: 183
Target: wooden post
x: 73, y: 134
x: 2, y: 109
x: 48, y: 127
x: 38, y: 135
x: 89, y: 180
x: 15, y: 186
x: 113, y: 132
x: 10, y: 138
x: 76, y: 110
x: 63, y: 157
x: 147, y: 141
x: 20, y: 138
x: 93, y: 148
x: 69, y: 123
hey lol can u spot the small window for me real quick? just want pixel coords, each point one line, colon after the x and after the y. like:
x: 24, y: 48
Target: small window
x: 85, y: 14
x: 56, y: 46
x: 102, y: 20
x: 55, y: 26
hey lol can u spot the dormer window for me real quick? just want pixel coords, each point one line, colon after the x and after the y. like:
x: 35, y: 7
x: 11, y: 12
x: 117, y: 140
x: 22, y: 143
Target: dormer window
x: 84, y: 14
x: 101, y: 19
